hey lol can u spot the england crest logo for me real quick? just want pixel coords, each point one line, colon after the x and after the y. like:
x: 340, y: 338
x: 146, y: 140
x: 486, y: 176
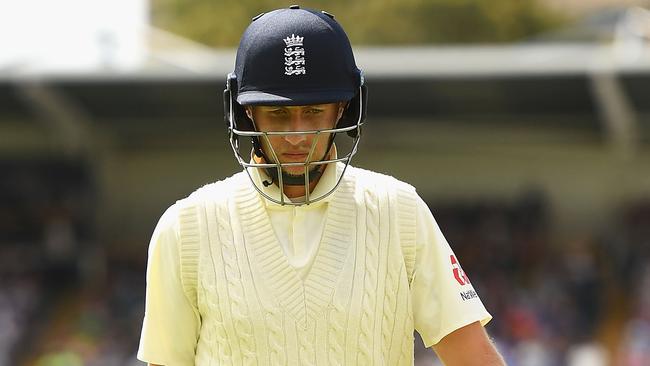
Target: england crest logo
x: 294, y: 56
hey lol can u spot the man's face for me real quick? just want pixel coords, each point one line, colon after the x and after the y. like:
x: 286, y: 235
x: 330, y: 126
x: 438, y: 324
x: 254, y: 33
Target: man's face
x: 295, y: 148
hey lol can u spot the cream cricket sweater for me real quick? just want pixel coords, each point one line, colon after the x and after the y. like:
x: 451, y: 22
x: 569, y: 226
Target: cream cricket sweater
x: 233, y: 297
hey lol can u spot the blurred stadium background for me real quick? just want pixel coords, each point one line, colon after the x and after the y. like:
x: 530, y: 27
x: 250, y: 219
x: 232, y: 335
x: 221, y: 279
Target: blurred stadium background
x: 524, y: 124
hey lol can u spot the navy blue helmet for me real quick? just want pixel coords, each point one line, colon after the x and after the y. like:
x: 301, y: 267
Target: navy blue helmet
x: 293, y: 57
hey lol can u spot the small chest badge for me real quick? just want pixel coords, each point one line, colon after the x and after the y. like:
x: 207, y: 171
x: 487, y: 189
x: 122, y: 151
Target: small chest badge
x: 294, y: 56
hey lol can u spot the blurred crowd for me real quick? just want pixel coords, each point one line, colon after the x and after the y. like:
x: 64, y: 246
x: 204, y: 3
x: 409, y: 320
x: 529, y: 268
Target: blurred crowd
x: 581, y: 301
x: 578, y: 301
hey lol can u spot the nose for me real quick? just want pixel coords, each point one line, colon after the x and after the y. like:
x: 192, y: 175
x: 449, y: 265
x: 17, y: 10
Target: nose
x: 297, y: 123
x: 295, y: 139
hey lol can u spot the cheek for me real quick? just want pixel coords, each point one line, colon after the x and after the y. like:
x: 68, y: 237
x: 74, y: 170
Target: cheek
x: 275, y: 142
x: 323, y: 141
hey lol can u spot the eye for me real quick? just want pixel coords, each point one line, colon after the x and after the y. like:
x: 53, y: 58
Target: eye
x: 277, y: 112
x: 314, y: 110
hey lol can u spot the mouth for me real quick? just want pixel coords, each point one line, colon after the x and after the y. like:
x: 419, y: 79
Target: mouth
x: 297, y: 156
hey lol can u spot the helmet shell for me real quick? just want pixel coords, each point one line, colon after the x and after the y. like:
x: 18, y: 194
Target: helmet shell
x: 295, y: 56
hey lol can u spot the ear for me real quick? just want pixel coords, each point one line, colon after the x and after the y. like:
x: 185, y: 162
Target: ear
x: 342, y: 107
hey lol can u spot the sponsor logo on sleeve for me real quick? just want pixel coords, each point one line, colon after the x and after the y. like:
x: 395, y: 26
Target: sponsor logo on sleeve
x: 462, y: 279
x: 458, y: 272
x: 468, y: 295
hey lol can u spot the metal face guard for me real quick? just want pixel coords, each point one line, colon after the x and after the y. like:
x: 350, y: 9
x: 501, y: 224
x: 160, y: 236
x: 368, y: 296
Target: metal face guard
x: 312, y: 169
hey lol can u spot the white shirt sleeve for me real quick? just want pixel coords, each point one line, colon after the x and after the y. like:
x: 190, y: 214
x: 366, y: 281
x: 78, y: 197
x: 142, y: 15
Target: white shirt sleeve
x: 443, y: 298
x: 171, y: 323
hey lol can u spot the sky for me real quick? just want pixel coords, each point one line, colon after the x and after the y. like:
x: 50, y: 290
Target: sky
x: 72, y: 35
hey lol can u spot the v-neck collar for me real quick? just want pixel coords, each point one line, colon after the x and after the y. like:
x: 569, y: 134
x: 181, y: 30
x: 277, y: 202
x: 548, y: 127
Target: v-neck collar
x: 306, y: 299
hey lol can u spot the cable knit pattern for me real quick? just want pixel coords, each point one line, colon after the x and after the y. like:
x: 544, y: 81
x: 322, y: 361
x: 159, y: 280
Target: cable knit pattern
x: 239, y: 307
x: 370, y: 280
x: 256, y: 309
x: 406, y: 355
x: 390, y: 306
x: 276, y: 339
x: 306, y: 339
x: 214, y: 335
x: 336, y: 336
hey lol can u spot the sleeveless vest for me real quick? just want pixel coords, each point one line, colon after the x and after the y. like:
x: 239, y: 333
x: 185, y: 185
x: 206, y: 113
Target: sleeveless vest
x: 353, y: 308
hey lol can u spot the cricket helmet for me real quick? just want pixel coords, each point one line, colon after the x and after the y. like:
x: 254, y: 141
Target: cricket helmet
x: 293, y: 57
